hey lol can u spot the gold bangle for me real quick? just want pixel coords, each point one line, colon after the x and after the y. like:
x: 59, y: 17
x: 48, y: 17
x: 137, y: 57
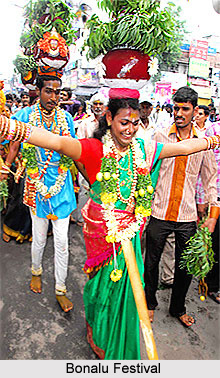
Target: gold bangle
x: 214, y: 212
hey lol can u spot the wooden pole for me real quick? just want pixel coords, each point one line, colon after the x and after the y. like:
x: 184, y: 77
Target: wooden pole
x: 140, y: 299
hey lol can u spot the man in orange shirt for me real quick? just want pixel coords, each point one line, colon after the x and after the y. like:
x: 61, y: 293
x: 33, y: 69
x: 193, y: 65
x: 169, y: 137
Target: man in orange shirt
x: 174, y: 205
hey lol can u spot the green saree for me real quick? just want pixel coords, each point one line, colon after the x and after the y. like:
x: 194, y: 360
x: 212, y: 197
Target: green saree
x: 111, y: 315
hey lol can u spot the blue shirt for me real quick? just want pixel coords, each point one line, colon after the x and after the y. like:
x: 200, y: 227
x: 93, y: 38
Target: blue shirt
x: 63, y: 203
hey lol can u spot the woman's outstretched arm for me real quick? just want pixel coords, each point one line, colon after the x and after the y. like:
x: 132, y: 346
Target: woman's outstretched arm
x: 185, y: 147
x: 23, y: 132
x: 62, y: 144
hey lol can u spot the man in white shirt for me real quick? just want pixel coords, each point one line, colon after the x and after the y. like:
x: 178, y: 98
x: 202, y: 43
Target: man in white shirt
x: 90, y: 124
x: 85, y: 130
x: 147, y: 125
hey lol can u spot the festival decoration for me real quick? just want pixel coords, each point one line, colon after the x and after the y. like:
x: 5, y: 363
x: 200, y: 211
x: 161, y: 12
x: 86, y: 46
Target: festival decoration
x: 130, y: 42
x: 137, y: 24
x: 47, y: 33
x: 141, y: 189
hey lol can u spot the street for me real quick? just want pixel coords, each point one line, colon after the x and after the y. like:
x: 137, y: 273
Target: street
x: 33, y: 327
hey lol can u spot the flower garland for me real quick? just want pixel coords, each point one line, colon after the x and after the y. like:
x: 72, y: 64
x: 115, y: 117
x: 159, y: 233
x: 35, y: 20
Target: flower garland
x: 30, y: 161
x: 141, y: 191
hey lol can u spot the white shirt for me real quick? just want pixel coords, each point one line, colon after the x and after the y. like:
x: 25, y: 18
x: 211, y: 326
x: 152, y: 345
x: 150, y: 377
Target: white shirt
x: 87, y: 127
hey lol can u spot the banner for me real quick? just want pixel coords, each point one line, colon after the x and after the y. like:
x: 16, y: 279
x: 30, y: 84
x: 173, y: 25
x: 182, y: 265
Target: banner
x: 198, y: 68
x: 199, y: 49
x: 163, y: 89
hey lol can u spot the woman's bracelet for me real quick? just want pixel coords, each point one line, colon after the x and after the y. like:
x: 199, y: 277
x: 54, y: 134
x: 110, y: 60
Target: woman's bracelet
x: 14, y: 130
x: 214, y: 212
x: 212, y: 142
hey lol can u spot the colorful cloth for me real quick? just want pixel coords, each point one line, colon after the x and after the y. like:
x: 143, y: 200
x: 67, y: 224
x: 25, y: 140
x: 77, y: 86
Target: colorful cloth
x: 63, y: 203
x: 214, y: 129
x: 211, y: 130
x: 111, y: 314
x: 178, y: 176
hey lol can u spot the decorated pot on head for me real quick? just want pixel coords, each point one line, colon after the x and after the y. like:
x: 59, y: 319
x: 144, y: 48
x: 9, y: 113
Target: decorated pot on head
x: 128, y: 68
x: 130, y: 43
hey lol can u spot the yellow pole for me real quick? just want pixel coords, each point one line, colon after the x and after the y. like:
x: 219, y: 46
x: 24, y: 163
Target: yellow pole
x: 140, y: 299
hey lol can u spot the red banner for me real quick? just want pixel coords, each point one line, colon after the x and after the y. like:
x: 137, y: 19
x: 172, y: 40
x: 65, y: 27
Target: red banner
x: 199, y: 49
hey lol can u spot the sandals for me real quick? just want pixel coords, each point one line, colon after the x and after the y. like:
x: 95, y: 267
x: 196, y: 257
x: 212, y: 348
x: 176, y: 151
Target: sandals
x: 215, y: 296
x: 6, y: 238
x: 72, y: 220
x: 186, y: 320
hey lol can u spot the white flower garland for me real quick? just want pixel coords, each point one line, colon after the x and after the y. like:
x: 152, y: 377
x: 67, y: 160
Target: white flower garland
x: 114, y: 234
x: 153, y: 66
x: 60, y: 180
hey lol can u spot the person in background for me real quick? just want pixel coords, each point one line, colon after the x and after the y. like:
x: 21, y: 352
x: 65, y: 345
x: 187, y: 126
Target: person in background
x: 86, y: 129
x: 17, y: 105
x: 201, y: 118
x: 147, y: 125
x: 52, y: 199
x: 169, y: 110
x: 156, y: 115
x: 213, y: 278
x: 174, y: 209
x: 112, y: 215
x: 25, y: 99
x: 90, y: 124
x: 7, y: 110
x: 66, y: 102
x: 80, y: 114
x: 213, y: 117
x: 9, y: 99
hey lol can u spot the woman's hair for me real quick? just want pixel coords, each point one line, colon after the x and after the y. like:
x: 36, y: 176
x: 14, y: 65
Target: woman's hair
x: 114, y: 105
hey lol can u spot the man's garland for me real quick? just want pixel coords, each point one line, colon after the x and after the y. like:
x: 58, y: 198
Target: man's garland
x: 30, y: 161
x: 198, y: 258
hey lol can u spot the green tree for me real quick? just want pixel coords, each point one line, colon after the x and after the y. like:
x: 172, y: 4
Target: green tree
x: 169, y: 58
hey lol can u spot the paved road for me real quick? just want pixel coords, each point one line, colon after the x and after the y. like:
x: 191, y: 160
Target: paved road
x: 34, y: 328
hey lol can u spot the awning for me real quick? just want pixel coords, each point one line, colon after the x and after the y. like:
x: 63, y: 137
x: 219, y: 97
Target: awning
x: 85, y: 91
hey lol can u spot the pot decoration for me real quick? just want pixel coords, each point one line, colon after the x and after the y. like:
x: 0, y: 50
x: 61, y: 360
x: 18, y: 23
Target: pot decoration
x: 29, y: 79
x: 52, y: 51
x: 47, y: 32
x: 125, y: 68
x: 138, y: 31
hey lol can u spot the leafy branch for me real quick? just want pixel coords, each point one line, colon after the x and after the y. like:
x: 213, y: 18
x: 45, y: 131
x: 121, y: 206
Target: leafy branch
x: 138, y: 24
x: 198, y: 258
x: 41, y: 16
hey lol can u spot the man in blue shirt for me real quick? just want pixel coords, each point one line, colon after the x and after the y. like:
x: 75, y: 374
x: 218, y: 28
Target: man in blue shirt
x: 49, y: 188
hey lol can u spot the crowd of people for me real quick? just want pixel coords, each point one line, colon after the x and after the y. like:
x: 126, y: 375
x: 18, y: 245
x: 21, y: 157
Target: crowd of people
x: 63, y: 180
